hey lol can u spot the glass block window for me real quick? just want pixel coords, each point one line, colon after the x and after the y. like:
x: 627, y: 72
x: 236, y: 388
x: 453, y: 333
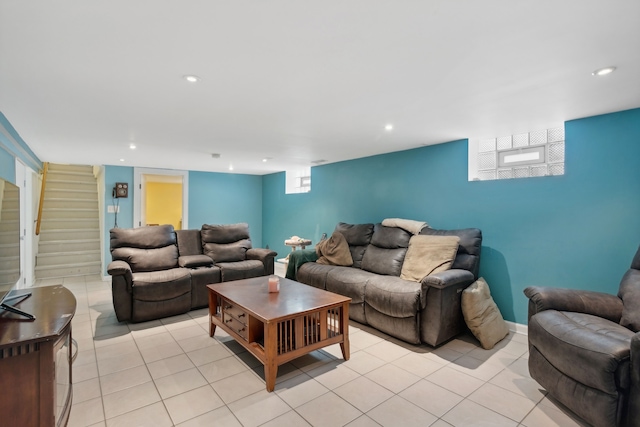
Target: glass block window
x: 298, y: 181
x: 526, y: 155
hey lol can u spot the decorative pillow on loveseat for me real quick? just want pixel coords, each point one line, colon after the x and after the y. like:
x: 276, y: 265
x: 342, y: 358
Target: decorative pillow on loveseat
x: 427, y: 255
x: 482, y: 315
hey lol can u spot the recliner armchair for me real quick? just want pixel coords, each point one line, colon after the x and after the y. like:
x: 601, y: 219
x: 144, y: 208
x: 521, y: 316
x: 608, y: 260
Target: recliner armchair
x: 584, y: 349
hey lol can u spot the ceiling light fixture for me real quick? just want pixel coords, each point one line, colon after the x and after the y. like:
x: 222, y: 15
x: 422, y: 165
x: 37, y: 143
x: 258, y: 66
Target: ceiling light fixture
x: 132, y: 146
x: 230, y: 167
x: 191, y: 78
x: 122, y: 160
x: 388, y: 127
x: 603, y: 71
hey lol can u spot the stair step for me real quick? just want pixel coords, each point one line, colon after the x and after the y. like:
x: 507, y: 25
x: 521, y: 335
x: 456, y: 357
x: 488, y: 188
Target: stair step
x: 9, y: 225
x: 10, y: 214
x: 67, y: 258
x: 77, y: 234
x: 75, y: 269
x: 69, y: 224
x: 62, y: 213
x: 75, y: 184
x: 9, y: 249
x: 70, y: 167
x: 67, y: 203
x: 73, y: 194
x: 47, y: 247
x: 11, y: 263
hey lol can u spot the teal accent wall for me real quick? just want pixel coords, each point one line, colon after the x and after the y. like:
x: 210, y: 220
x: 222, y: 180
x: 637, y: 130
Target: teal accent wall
x: 113, y: 174
x: 222, y: 198
x: 579, y: 230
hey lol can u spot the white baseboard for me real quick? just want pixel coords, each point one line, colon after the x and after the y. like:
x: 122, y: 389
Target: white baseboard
x: 518, y: 328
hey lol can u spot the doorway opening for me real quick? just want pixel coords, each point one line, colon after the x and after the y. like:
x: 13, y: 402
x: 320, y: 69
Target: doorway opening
x: 163, y: 197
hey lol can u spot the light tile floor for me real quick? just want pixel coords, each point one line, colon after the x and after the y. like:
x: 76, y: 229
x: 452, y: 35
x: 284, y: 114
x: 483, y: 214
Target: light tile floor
x: 169, y: 372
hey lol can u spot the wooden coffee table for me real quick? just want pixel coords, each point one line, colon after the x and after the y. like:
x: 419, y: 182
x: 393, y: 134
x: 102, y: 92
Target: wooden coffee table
x: 279, y: 327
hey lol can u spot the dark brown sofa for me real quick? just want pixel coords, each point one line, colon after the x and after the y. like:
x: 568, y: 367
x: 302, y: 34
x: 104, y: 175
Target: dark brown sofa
x: 584, y: 349
x: 428, y: 311
x: 158, y: 272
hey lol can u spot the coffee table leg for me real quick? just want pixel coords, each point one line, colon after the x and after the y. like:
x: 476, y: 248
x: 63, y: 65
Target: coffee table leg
x: 344, y: 329
x: 271, y: 354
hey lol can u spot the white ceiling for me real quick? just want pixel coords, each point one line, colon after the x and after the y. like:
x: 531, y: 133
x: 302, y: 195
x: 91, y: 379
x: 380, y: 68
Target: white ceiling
x: 299, y: 81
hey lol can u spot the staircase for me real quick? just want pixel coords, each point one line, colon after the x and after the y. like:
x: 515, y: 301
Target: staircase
x: 70, y: 231
x: 9, y: 235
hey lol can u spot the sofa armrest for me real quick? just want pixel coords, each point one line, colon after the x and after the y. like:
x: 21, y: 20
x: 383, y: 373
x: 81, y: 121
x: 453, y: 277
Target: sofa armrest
x: 192, y: 261
x: 119, y: 268
x: 260, y: 254
x: 589, y: 302
x: 121, y: 288
x: 633, y: 407
x: 267, y: 257
x: 448, y: 278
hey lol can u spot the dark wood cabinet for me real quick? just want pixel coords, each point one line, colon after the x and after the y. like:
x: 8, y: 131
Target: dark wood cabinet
x: 35, y: 360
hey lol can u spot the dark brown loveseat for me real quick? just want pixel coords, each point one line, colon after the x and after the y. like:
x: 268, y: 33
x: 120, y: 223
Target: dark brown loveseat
x: 426, y: 311
x: 158, y: 272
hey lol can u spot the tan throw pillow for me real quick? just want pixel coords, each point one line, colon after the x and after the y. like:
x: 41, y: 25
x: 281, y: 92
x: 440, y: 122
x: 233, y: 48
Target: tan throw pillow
x: 482, y: 315
x: 427, y: 255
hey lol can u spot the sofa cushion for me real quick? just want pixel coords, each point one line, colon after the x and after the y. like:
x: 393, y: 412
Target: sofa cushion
x: 427, y: 255
x: 394, y: 296
x: 358, y: 236
x: 314, y: 274
x: 591, y: 350
x: 241, y: 270
x: 226, y: 233
x: 482, y: 314
x: 161, y: 285
x: 191, y: 261
x: 350, y: 282
x: 147, y: 259
x: 225, y: 243
x: 142, y: 237
x: 334, y: 251
x: 189, y: 242
x: 227, y: 252
x: 390, y: 237
x: 629, y: 293
x: 383, y: 261
x: 386, y: 252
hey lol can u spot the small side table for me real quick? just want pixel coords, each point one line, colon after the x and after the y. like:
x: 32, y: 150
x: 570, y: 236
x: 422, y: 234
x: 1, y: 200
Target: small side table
x: 299, y: 243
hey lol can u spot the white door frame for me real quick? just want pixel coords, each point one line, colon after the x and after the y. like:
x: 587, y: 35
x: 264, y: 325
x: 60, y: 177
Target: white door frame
x: 24, y: 180
x: 139, y: 186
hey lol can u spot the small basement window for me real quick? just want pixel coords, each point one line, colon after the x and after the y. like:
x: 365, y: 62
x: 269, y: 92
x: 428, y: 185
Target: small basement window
x: 298, y: 181
x: 525, y: 155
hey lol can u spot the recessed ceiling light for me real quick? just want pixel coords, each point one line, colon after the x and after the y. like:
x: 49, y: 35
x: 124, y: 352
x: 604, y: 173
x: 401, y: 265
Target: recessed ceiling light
x: 132, y: 146
x: 604, y: 71
x: 266, y: 159
x: 122, y: 160
x: 230, y: 167
x: 388, y: 127
x: 191, y: 78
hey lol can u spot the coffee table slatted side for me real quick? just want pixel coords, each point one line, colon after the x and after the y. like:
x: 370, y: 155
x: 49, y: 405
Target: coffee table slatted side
x: 275, y: 340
